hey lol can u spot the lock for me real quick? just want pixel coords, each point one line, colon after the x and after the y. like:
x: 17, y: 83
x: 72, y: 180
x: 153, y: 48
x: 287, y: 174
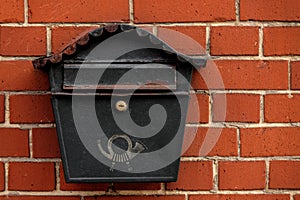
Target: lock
x: 121, y: 106
x: 95, y: 81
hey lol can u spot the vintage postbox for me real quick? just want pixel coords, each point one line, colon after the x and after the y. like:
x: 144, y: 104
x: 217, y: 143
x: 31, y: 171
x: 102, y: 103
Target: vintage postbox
x: 120, y: 97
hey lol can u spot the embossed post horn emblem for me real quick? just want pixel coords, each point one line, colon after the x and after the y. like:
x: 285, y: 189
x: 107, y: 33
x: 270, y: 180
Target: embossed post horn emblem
x: 121, y: 156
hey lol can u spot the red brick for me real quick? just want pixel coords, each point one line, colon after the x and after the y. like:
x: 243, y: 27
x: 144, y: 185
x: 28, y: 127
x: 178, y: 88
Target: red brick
x: 226, y: 141
x: 80, y: 186
x: 239, y: 107
x: 240, y: 197
x: 45, y: 143
x: 68, y: 11
x: 295, y: 75
x: 137, y: 186
x: 297, y: 197
x: 242, y: 175
x: 246, y: 74
x: 198, y: 108
x: 285, y: 174
x: 190, y: 40
x: 2, y: 179
x: 31, y: 176
x: 2, y: 108
x: 282, y: 108
x: 30, y: 109
x: 183, y: 10
x: 20, y: 75
x: 270, y: 142
x: 271, y: 10
x: 64, y: 36
x: 39, y: 198
x: 14, y: 142
x: 22, y: 41
x: 164, y: 197
x: 12, y: 11
x: 234, y: 40
x: 281, y: 41
x: 198, y: 174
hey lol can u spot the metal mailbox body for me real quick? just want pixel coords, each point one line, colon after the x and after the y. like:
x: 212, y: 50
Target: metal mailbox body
x: 116, y: 129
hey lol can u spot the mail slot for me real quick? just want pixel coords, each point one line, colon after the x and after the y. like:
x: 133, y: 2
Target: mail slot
x: 120, y: 98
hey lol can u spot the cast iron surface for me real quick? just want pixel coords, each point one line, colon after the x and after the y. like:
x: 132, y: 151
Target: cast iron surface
x: 119, y: 157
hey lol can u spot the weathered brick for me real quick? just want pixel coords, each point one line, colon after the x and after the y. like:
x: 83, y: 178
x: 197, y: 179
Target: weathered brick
x: 14, y: 142
x: 239, y: 107
x: 30, y: 109
x: 284, y: 175
x: 271, y: 10
x: 198, y: 174
x: 282, y: 108
x: 198, y: 109
x: 12, y: 11
x: 45, y: 143
x: 20, y: 75
x: 281, y: 41
x: 190, y: 40
x: 241, y: 175
x: 31, y: 176
x: 246, y: 74
x: 2, y: 108
x: 295, y: 75
x: 226, y: 141
x: 2, y: 178
x: 270, y: 142
x: 240, y: 197
x: 22, y: 41
x: 234, y: 40
x: 64, y: 36
x: 183, y: 10
x: 68, y: 11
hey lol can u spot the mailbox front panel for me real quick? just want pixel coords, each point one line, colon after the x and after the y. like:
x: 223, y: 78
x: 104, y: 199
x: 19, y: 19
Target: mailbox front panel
x: 94, y: 164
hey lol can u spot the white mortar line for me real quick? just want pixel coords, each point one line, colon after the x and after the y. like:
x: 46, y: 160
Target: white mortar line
x: 245, y: 125
x: 228, y: 23
x: 261, y: 42
x: 289, y: 76
x: 262, y: 110
x: 257, y: 58
x: 131, y: 12
x: 267, y: 174
x: 30, y: 143
x: 237, y: 10
x: 238, y: 132
x: 215, y: 175
x: 7, y: 113
x: 235, y: 158
x: 49, y: 40
x: 26, y: 12
x: 207, y: 39
x: 57, y: 173
x: 27, y: 126
x: 26, y: 159
x: 6, y: 175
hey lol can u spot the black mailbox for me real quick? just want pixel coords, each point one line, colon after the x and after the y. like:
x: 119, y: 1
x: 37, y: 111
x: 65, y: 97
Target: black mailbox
x: 120, y: 97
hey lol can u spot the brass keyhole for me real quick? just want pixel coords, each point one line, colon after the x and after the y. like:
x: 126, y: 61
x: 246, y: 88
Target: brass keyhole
x: 121, y: 106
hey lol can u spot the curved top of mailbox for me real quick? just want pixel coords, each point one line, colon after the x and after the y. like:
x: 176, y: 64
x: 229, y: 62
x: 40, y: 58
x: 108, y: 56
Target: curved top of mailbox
x: 100, y: 34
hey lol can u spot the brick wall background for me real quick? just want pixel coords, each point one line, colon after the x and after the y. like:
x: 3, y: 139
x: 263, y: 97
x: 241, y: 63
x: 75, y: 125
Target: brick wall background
x: 254, y: 43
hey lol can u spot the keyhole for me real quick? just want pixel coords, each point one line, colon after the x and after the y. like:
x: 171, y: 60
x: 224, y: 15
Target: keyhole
x: 121, y: 106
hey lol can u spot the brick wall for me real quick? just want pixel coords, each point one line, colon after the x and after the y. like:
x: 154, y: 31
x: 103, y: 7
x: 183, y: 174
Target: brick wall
x: 255, y: 45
